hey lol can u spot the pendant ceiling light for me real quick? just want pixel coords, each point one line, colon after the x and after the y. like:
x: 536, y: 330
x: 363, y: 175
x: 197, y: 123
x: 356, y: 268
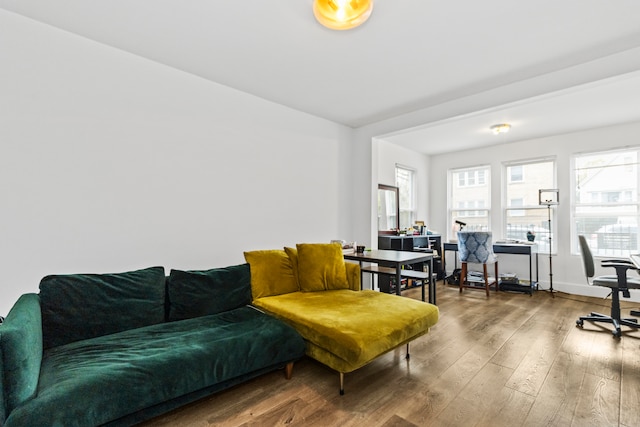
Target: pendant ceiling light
x: 342, y: 14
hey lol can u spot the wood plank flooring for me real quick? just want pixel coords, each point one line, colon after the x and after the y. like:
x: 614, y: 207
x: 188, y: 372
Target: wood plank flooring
x: 508, y: 360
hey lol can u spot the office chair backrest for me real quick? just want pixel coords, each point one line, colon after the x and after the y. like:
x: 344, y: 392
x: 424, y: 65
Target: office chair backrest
x: 587, y: 258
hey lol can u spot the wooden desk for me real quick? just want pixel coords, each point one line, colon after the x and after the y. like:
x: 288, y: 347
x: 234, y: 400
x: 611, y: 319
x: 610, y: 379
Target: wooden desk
x: 398, y: 259
x: 504, y: 248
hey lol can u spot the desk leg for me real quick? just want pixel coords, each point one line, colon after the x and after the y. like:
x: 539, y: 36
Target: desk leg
x: 428, y: 284
x: 530, y: 272
x: 444, y: 263
x: 537, y: 276
x: 432, y: 285
x: 398, y: 278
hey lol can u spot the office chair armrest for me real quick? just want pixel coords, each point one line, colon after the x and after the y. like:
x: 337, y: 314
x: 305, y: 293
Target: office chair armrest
x: 615, y: 264
x: 621, y: 273
x: 623, y: 264
x: 618, y: 260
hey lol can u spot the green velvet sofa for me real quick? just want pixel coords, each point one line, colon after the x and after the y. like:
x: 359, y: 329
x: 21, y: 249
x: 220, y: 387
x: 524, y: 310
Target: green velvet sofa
x: 116, y: 349
x: 313, y: 289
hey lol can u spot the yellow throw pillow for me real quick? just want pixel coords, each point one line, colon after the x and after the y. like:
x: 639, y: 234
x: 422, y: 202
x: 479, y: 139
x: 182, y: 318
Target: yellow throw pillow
x: 293, y: 256
x: 271, y: 273
x: 321, y: 267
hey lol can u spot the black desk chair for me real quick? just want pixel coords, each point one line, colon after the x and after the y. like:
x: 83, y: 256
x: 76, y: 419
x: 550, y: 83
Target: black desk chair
x: 618, y: 284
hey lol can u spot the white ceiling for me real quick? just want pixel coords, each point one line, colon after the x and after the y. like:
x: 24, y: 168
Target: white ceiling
x: 545, y: 66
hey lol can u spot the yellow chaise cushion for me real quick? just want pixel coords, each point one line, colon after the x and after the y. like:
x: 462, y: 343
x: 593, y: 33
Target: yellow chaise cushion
x: 347, y: 329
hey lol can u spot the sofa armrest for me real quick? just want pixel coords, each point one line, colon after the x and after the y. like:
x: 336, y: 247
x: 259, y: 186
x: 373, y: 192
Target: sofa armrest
x: 353, y: 275
x: 20, y: 353
x: 3, y: 409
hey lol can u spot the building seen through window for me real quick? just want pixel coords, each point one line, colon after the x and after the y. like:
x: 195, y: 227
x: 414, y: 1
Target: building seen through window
x: 470, y: 198
x: 605, y: 201
x: 522, y: 211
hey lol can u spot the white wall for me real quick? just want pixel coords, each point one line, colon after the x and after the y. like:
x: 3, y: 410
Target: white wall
x: 109, y: 162
x: 568, y: 273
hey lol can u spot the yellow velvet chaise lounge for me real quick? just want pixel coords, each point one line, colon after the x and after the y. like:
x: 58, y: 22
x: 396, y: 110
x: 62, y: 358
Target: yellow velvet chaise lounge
x: 313, y: 289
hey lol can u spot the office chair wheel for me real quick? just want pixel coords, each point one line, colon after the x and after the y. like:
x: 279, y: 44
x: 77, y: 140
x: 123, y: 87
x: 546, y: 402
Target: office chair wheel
x: 580, y: 323
x: 617, y: 334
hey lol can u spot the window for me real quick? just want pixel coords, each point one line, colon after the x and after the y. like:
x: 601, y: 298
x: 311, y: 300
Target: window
x: 518, y: 201
x: 470, y: 197
x: 522, y: 211
x: 387, y: 207
x: 472, y: 178
x: 405, y: 181
x: 516, y: 173
x: 605, y: 201
x: 471, y: 208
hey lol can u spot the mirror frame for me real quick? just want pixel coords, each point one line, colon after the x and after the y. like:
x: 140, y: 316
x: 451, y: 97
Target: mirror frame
x: 396, y: 191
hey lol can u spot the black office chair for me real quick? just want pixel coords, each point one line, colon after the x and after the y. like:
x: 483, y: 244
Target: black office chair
x: 619, y: 283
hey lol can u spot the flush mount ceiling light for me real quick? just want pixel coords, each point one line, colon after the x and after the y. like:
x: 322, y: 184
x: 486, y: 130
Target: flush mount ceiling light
x: 500, y: 128
x: 342, y: 14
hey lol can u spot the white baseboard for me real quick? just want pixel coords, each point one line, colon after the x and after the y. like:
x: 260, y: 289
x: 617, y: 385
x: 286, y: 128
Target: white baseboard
x: 587, y: 290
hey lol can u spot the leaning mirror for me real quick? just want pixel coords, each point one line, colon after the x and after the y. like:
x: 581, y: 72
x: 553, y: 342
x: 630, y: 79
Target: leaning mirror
x: 388, y: 208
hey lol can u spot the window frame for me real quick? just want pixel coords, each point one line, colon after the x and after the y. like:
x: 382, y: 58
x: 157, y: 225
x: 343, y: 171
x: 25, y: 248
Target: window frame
x: 626, y: 200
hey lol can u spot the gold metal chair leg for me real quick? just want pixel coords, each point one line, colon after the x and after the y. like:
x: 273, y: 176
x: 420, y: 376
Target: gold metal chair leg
x: 341, y: 383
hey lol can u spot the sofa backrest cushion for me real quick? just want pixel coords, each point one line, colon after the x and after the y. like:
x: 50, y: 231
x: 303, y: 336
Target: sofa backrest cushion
x: 271, y: 273
x: 196, y: 293
x: 82, y: 306
x: 321, y: 267
x: 20, y: 354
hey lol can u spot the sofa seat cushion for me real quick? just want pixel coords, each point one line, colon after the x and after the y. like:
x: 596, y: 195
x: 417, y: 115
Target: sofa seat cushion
x: 91, y: 382
x: 347, y: 329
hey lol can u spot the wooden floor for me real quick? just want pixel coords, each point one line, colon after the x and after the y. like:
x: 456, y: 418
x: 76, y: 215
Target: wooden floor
x: 509, y: 360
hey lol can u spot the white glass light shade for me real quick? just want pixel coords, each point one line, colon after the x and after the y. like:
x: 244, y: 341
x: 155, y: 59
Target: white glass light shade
x: 342, y: 14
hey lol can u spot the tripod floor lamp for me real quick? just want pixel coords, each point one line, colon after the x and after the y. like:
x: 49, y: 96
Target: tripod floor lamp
x: 549, y: 197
